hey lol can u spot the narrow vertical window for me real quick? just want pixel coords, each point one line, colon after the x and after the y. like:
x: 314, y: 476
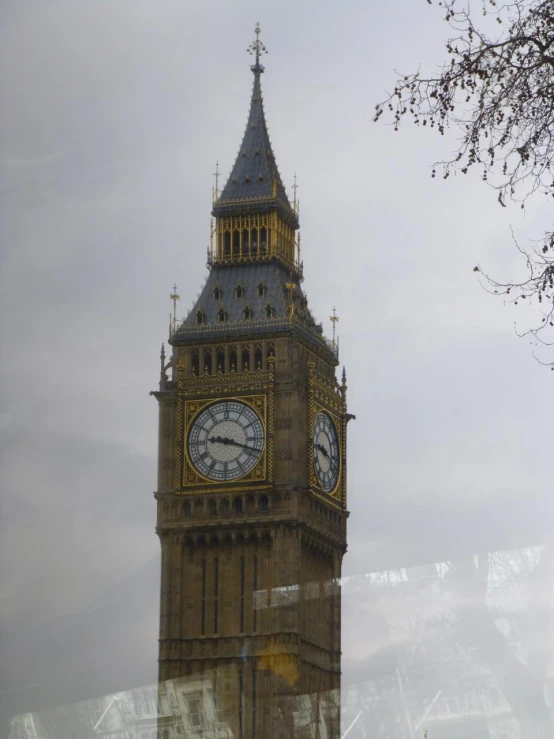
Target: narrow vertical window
x: 216, y: 593
x: 254, y: 589
x: 195, y: 712
x: 203, y: 608
x: 241, y: 700
x: 241, y: 594
x: 258, y: 357
x: 253, y: 700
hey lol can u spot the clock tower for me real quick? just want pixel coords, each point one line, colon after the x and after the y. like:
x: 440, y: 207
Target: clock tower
x: 251, y: 499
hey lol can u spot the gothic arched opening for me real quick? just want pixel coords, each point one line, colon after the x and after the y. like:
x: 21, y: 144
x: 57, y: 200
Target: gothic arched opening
x: 258, y: 357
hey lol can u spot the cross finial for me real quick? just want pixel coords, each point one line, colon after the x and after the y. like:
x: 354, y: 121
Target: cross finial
x: 175, y: 297
x: 334, y: 319
x: 295, y: 188
x: 216, y: 175
x: 257, y: 48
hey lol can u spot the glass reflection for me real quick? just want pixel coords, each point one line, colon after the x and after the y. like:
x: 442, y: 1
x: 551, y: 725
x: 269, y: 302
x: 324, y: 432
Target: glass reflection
x: 458, y: 650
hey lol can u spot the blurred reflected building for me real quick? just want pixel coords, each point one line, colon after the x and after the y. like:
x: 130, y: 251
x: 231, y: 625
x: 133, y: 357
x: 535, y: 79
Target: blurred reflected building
x: 454, y: 650
x: 465, y: 650
x: 252, y: 462
x: 177, y: 709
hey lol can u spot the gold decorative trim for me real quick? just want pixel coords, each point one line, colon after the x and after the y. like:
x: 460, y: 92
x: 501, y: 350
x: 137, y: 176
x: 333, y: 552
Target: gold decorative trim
x: 271, y: 416
x: 232, y: 382
x: 179, y: 440
x: 328, y: 394
x: 343, y: 470
x: 326, y: 498
x: 311, y: 421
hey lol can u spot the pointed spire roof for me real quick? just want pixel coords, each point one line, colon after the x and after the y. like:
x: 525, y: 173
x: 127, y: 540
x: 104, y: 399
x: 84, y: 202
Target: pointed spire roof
x: 255, y: 183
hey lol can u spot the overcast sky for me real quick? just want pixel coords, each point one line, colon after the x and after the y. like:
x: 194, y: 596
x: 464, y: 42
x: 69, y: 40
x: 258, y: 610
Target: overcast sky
x: 113, y: 114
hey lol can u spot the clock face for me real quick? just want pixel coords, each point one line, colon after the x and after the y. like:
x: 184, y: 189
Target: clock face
x: 226, y: 440
x: 326, y: 452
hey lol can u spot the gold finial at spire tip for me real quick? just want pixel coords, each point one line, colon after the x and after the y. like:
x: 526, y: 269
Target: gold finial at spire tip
x: 257, y: 48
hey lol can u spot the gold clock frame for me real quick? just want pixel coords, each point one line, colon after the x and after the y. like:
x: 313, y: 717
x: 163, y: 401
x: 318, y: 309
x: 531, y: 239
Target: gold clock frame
x: 187, y: 476
x: 323, y: 397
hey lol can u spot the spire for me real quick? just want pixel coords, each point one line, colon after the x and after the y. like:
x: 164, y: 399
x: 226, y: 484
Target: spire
x: 255, y: 182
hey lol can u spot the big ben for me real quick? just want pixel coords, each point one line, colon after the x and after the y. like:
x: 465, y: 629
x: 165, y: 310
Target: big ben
x: 251, y: 498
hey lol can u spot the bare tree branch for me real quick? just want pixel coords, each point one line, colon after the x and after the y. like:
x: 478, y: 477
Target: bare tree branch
x: 498, y: 91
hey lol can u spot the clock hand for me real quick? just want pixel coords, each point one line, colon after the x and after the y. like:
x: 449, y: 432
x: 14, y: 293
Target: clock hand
x: 226, y: 440
x: 323, y: 450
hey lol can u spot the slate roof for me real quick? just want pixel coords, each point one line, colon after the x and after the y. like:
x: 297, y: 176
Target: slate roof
x: 226, y: 278
x: 255, y: 183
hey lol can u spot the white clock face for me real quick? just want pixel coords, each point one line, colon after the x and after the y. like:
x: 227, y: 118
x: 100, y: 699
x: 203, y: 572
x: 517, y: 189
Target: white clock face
x: 326, y: 452
x: 226, y: 440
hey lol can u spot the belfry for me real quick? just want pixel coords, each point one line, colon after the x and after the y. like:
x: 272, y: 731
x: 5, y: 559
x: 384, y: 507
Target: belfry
x: 251, y: 499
